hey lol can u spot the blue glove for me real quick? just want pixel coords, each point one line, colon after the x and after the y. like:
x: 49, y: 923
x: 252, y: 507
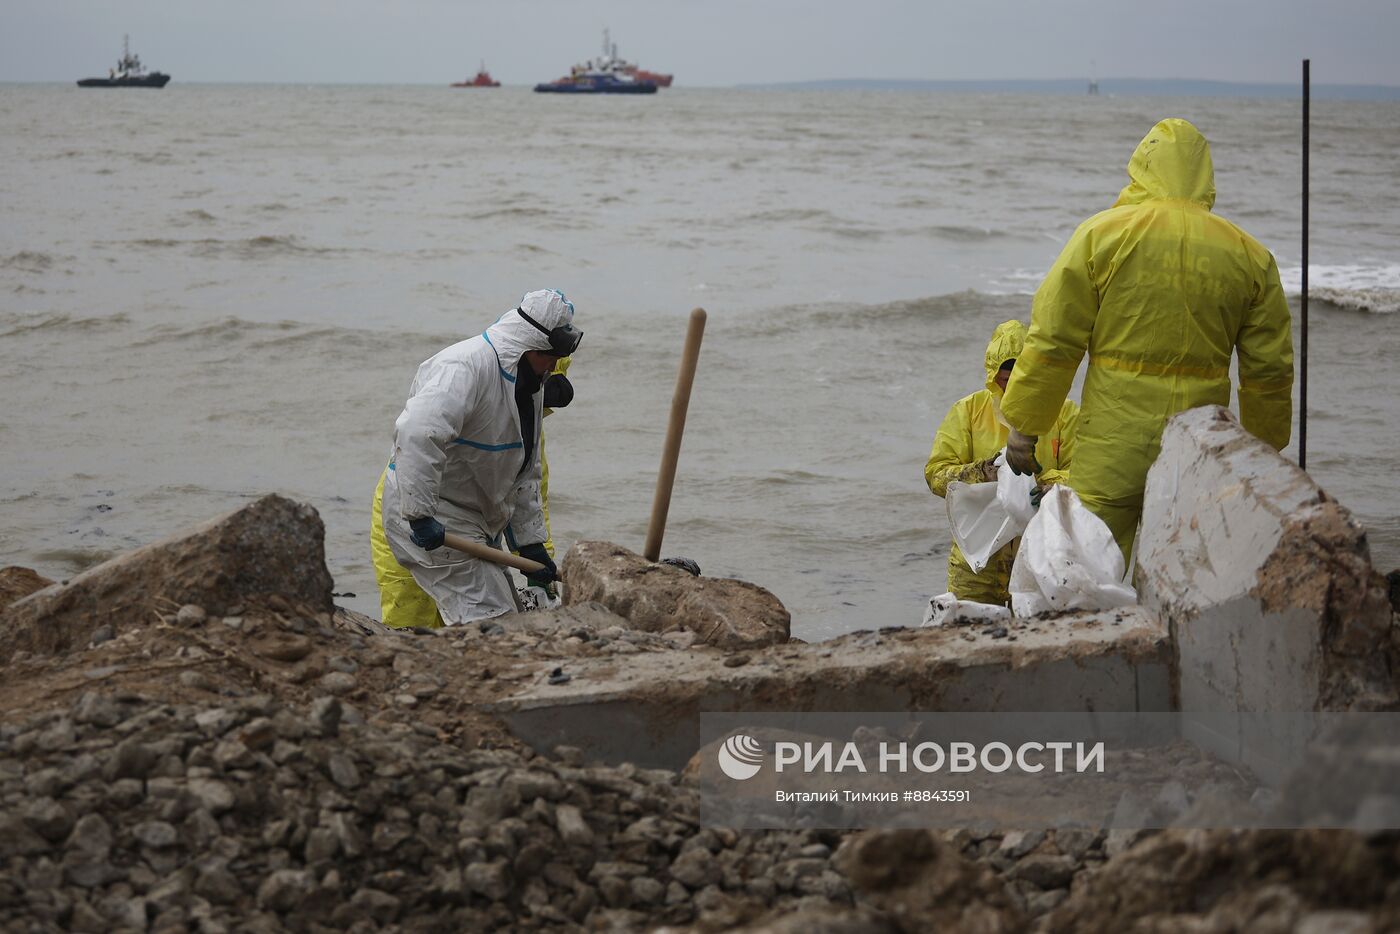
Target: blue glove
x: 546, y: 575
x: 427, y: 532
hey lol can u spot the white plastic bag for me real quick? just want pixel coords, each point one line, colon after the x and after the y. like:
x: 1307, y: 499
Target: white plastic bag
x: 985, y: 516
x: 1068, y: 560
x: 1014, y: 493
x: 945, y: 606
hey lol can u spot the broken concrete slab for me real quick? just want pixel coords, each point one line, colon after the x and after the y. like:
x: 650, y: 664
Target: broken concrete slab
x: 1264, y: 580
x: 273, y: 547
x: 728, y: 613
x: 646, y: 708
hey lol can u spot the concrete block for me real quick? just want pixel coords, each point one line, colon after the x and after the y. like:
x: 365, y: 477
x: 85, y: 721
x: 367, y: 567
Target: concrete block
x: 645, y: 708
x: 659, y: 598
x: 1265, y: 581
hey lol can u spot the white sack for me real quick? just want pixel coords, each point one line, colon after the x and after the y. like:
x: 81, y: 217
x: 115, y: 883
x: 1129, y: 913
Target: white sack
x: 946, y: 606
x: 984, y: 517
x: 1014, y: 493
x: 1068, y: 560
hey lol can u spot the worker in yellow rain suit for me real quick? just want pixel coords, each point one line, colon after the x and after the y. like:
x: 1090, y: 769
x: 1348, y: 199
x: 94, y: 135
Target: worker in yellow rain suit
x: 966, y: 446
x: 1159, y: 291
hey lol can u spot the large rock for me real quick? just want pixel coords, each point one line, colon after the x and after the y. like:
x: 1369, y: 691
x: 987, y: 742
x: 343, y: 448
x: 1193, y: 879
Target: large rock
x: 1270, y: 880
x: 274, y: 547
x: 921, y: 883
x: 659, y: 598
x: 16, y: 583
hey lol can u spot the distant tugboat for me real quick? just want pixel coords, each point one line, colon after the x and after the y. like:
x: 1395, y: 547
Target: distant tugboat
x: 482, y: 80
x: 129, y: 73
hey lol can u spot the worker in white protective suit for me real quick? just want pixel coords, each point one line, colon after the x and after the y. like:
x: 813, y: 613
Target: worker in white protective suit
x: 466, y: 459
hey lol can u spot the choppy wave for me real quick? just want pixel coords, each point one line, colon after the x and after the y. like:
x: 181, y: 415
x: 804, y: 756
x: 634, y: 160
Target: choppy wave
x: 77, y: 560
x: 194, y: 217
x: 259, y: 247
x: 14, y: 325
x: 28, y: 261
x: 788, y: 216
x: 960, y: 234
x: 512, y: 213
x: 1357, y: 287
x: 929, y: 320
x: 791, y: 477
x: 1376, y: 301
x: 225, y: 329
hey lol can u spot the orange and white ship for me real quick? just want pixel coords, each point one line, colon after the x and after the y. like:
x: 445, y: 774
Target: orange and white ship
x: 611, y: 62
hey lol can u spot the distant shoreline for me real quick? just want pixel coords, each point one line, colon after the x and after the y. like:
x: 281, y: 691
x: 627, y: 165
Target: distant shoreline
x: 1107, y: 87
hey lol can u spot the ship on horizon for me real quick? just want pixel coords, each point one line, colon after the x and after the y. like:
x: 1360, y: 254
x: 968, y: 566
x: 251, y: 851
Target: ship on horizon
x: 607, y: 74
x: 483, y: 79
x: 622, y: 66
x: 128, y: 73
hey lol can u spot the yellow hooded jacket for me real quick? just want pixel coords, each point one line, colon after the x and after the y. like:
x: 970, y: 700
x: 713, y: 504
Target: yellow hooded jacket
x: 1159, y: 291
x: 974, y: 430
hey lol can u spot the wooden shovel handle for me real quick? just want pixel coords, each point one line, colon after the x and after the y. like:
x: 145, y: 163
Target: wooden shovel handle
x: 487, y: 553
x: 670, y: 455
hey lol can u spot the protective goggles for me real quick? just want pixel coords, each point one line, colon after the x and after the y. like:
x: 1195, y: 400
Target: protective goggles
x: 563, y: 340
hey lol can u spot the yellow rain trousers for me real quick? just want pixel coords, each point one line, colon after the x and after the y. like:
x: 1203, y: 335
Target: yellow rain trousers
x: 972, y: 431
x: 402, y: 603
x: 561, y: 368
x: 1159, y: 291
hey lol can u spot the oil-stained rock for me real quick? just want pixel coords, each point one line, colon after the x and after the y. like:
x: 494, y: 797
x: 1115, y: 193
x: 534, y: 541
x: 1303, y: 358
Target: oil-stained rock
x: 659, y: 598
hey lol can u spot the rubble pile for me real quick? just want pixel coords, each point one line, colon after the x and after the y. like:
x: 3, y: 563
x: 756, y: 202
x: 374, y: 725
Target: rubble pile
x: 194, y: 738
x: 122, y: 812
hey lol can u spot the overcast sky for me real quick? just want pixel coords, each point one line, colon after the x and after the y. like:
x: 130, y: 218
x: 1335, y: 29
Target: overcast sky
x: 706, y: 42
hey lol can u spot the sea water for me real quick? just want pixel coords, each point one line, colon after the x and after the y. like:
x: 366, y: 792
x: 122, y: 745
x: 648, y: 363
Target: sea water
x: 208, y: 293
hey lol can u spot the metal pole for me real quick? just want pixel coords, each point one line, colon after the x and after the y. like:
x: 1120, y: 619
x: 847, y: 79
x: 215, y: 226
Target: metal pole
x: 1303, y: 296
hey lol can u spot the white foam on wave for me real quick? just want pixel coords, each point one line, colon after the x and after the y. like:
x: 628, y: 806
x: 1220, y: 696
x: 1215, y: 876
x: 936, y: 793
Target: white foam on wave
x: 1016, y: 282
x: 1374, y: 288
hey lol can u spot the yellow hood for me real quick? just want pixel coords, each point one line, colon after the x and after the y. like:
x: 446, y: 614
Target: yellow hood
x: 1172, y: 161
x: 1007, y: 341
